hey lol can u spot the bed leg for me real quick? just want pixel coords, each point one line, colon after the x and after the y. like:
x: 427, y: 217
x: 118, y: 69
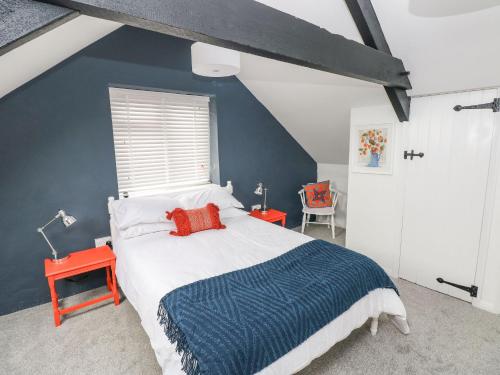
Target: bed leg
x: 374, y: 326
x: 401, y: 324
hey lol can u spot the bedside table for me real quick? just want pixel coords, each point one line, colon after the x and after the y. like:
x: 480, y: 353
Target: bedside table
x: 271, y: 216
x: 77, y: 263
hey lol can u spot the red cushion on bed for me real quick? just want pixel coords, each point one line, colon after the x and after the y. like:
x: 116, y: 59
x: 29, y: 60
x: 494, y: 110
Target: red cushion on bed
x: 191, y: 221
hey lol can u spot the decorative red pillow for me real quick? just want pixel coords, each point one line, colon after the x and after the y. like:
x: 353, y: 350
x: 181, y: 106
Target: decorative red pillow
x: 318, y: 194
x: 191, y: 221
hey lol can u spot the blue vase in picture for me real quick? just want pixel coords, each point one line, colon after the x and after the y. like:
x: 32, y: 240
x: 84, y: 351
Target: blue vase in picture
x: 374, y: 159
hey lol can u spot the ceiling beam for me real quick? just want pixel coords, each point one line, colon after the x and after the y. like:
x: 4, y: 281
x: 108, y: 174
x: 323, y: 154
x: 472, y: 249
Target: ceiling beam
x: 371, y: 32
x: 249, y: 26
x: 22, y: 21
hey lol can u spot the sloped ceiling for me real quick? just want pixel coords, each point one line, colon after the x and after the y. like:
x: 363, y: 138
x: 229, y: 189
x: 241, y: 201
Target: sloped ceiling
x: 26, y: 19
x: 453, y: 46
x: 31, y: 59
x: 313, y: 106
x: 448, y: 46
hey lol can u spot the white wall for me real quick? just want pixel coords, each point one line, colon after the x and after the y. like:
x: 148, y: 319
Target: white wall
x: 375, y: 203
x: 338, y: 176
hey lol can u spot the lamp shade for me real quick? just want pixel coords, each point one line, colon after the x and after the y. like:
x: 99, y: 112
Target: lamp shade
x: 212, y: 61
x: 258, y: 191
x: 67, y: 220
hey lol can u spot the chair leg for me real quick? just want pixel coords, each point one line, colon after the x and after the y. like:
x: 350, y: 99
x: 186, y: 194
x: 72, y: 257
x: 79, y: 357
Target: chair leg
x: 303, y: 222
x: 333, y: 227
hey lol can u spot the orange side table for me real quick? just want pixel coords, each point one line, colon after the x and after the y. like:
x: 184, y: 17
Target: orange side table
x: 271, y: 216
x: 77, y: 263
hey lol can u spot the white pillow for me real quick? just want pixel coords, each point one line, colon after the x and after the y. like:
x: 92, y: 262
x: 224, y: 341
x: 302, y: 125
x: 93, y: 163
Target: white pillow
x: 129, y: 212
x: 215, y: 194
x: 142, y: 229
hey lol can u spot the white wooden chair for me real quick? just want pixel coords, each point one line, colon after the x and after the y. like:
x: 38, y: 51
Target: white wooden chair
x: 323, y: 211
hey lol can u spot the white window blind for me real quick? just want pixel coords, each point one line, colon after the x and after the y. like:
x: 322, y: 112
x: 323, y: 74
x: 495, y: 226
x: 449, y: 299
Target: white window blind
x: 162, y: 140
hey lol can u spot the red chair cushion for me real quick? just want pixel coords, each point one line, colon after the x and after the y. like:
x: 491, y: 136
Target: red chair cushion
x: 196, y: 220
x: 318, y: 194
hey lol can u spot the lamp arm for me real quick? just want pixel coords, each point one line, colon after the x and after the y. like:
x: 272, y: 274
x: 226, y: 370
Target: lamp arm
x: 265, y: 199
x: 40, y: 230
x: 54, y: 252
x: 50, y: 222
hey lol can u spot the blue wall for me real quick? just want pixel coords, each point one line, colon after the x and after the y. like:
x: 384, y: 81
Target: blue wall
x: 56, y: 151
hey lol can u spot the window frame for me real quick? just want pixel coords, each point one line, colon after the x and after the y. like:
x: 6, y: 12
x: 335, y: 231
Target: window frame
x: 214, y: 173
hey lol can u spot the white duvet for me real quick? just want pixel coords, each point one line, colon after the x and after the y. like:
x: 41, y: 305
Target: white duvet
x: 152, y: 265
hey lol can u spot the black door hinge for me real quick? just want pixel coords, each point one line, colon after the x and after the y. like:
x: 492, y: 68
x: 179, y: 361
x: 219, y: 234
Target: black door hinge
x: 471, y: 289
x: 412, y: 154
x: 494, y: 105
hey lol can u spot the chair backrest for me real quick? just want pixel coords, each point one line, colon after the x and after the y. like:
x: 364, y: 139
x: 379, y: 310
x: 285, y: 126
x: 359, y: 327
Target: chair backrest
x: 335, y: 197
x: 333, y: 192
x: 303, y: 198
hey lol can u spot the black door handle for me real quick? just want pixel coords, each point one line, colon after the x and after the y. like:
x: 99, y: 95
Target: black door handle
x: 412, y: 154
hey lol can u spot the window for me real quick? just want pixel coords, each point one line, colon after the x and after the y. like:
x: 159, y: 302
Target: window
x: 162, y: 140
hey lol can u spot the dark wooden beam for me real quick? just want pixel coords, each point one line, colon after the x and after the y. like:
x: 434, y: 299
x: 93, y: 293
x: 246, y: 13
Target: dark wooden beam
x: 249, y: 26
x: 371, y: 32
x: 22, y: 21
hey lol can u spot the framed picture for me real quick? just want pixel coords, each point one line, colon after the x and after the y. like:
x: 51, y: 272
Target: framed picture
x: 372, y: 148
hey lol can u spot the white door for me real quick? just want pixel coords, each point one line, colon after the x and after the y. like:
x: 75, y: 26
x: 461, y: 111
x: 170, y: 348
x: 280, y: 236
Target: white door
x: 445, y: 190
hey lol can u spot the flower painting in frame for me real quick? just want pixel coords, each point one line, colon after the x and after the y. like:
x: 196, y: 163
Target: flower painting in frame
x: 372, y: 148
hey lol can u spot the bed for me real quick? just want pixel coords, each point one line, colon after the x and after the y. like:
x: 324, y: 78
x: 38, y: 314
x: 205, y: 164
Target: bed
x: 152, y: 265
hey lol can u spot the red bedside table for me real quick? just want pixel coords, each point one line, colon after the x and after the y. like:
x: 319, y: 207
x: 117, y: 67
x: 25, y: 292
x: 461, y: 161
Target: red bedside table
x: 271, y: 216
x: 77, y: 263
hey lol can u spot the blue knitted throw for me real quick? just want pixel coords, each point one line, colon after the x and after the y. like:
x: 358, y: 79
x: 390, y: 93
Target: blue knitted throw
x: 242, y: 321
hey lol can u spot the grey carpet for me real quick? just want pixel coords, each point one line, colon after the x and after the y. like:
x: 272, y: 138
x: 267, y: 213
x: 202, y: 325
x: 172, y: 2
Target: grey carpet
x: 448, y: 337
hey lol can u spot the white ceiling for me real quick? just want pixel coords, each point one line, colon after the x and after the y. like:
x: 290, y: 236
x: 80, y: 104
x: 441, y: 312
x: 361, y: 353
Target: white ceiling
x: 331, y: 15
x: 447, y: 45
x: 443, y: 54
x: 442, y: 8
